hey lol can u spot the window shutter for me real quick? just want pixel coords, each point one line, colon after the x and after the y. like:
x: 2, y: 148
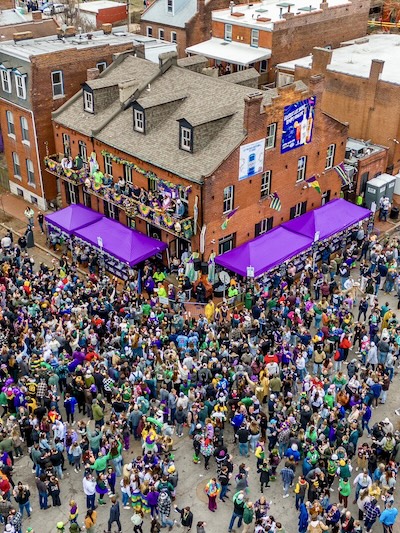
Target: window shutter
x: 292, y: 212
x: 257, y: 229
x: 303, y: 207
x: 270, y: 223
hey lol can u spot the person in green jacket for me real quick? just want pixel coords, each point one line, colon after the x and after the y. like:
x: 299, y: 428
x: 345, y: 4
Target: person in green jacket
x: 94, y: 439
x: 100, y: 463
x: 98, y: 413
x: 248, y: 516
x: 344, y: 491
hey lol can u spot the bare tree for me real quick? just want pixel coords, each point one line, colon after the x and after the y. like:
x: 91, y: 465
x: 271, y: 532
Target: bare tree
x: 73, y: 17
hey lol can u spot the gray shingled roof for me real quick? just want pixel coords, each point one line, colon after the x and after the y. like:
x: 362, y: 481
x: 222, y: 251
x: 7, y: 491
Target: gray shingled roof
x: 146, y: 101
x: 241, y: 75
x: 200, y: 116
x: 207, y: 97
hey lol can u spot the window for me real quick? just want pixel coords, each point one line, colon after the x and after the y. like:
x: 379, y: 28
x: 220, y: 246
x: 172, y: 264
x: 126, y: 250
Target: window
x: 298, y: 209
x: 111, y: 210
x: 264, y: 226
x: 71, y: 193
x: 174, y: 37
x: 149, y: 31
x: 265, y: 184
x: 88, y: 101
x: 57, y: 82
x: 20, y: 192
x: 82, y: 150
x: 6, y: 80
x: 228, y: 198
x: 87, y: 199
x: 330, y: 156
x: 127, y: 174
x: 16, y: 165
x: 108, y: 165
x: 161, y: 33
x: 151, y: 184
x: 186, y: 139
x: 254, y: 38
x: 228, y: 32
x: 34, y: 200
x: 325, y: 197
x: 24, y: 130
x: 138, y: 120
x: 101, y: 66
x: 30, y: 171
x: 271, y: 136
x: 226, y: 244
x: 66, y: 144
x: 20, y: 84
x: 10, y: 123
x: 301, y: 168
x: 263, y: 65
x: 170, y: 6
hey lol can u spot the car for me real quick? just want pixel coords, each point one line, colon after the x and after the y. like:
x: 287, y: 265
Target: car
x: 53, y: 9
x: 45, y: 5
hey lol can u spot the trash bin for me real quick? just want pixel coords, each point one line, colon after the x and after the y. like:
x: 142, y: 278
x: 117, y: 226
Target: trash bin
x: 394, y: 213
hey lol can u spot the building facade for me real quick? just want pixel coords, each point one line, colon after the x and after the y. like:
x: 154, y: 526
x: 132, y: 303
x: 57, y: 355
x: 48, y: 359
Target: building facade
x: 222, y: 152
x: 262, y: 35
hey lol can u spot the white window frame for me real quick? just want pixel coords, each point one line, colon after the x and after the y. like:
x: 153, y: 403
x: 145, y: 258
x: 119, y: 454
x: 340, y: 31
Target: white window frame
x: 108, y: 165
x: 16, y: 166
x: 128, y: 174
x: 72, y: 192
x: 229, y: 238
x: 265, y: 189
x: 174, y: 37
x: 161, y: 34
x: 6, y: 80
x: 228, y: 32
x: 10, y: 124
x: 58, y: 83
x: 298, y: 208
x: 170, y: 6
x: 82, y: 150
x: 301, y: 168
x: 270, y: 138
x: 20, y: 86
x: 262, y: 67
x: 255, y: 37
x: 186, y: 139
x: 25, y: 131
x: 66, y: 140
x: 264, y: 225
x: 330, y: 156
x: 228, y: 199
x: 149, y: 31
x: 138, y: 120
x: 101, y: 65
x: 88, y: 103
x: 30, y: 172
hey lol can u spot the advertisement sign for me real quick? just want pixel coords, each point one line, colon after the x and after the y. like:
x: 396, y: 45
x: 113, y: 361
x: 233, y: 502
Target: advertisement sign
x: 251, y: 160
x: 298, y: 122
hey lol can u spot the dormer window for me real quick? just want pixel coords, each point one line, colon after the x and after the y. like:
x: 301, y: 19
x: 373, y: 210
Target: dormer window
x: 170, y: 6
x: 138, y: 120
x: 88, y: 101
x: 20, y: 84
x: 186, y: 140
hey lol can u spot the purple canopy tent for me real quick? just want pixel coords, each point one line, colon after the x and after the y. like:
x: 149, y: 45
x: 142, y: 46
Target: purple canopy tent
x: 265, y: 252
x: 73, y: 217
x: 333, y: 217
x: 126, y: 245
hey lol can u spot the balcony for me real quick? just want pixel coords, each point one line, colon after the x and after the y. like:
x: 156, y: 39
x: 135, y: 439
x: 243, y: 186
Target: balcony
x: 148, y: 206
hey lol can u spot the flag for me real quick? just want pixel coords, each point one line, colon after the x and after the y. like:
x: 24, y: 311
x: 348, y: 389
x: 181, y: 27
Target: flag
x: 228, y: 216
x: 275, y: 202
x: 342, y: 173
x: 313, y: 182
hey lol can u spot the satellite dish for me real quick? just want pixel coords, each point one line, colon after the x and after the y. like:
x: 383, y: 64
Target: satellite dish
x: 224, y: 277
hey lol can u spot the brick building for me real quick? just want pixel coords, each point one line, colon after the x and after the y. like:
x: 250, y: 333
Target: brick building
x: 37, y: 77
x: 265, y: 34
x: 195, y: 165
x: 12, y: 21
x: 184, y: 22
x: 362, y: 87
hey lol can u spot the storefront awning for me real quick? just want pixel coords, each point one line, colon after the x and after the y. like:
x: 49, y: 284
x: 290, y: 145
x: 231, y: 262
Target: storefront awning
x: 230, y: 51
x: 126, y: 245
x: 73, y: 217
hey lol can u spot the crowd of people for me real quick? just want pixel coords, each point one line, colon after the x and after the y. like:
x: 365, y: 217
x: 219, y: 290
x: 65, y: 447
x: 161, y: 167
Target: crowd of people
x: 282, y: 388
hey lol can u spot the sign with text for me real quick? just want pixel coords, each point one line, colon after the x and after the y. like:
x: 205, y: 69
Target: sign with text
x: 298, y: 122
x: 251, y: 159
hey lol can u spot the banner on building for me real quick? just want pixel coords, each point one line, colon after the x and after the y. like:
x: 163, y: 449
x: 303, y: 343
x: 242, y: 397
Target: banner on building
x: 298, y: 122
x: 251, y: 160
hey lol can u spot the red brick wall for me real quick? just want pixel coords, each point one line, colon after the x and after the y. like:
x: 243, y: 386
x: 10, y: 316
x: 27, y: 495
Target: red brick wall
x: 180, y: 33
x: 115, y: 14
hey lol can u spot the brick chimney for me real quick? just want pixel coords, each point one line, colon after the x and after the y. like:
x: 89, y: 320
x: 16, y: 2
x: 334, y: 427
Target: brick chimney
x: 252, y: 108
x: 92, y: 73
x: 36, y: 15
x: 107, y: 28
x: 322, y: 57
x: 166, y: 60
x: 200, y: 6
x: 22, y: 35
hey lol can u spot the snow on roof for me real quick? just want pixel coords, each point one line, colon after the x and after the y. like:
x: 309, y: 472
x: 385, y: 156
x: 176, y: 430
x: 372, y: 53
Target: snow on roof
x: 354, y: 57
x: 94, y: 7
x: 269, y: 9
x: 229, y: 51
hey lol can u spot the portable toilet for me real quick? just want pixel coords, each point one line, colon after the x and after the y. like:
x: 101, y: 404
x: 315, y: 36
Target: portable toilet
x: 390, y: 184
x: 397, y: 185
x: 374, y: 191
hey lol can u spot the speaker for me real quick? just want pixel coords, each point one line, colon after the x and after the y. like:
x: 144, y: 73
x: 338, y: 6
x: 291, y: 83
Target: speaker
x: 196, y: 264
x: 204, y: 268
